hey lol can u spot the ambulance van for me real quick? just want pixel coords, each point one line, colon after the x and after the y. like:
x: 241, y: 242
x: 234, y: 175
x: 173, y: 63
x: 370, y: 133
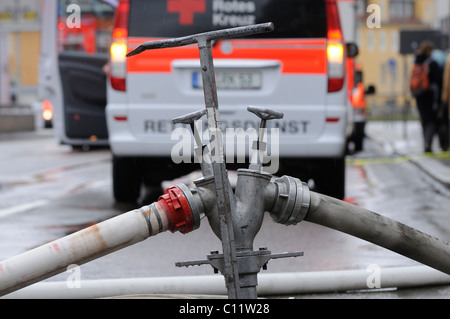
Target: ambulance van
x: 298, y: 69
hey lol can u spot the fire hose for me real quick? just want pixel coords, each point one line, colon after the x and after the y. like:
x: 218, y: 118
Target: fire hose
x: 170, y: 212
x: 380, y: 230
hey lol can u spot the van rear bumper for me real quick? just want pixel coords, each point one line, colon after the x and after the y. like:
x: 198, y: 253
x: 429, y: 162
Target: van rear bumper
x: 327, y: 146
x: 328, y: 141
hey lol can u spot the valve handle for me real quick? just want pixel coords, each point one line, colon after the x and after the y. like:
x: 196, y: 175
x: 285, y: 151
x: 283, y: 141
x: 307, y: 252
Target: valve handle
x: 259, y: 146
x: 264, y: 113
x: 189, y: 118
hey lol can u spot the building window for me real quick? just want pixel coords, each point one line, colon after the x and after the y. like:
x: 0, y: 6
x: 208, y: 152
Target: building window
x: 401, y: 9
x: 382, y: 41
x: 359, y: 39
x: 394, y: 41
x: 370, y: 40
x: 361, y: 7
x: 428, y: 12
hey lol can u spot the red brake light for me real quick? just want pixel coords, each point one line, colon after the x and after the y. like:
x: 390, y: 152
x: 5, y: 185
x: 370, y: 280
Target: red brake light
x: 121, y: 17
x: 119, y: 32
x: 118, y: 64
x: 335, y: 48
x: 333, y: 22
x: 334, y: 35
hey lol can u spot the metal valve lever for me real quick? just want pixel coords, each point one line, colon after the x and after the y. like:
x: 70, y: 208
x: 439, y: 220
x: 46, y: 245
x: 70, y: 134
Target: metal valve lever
x: 265, y: 114
x: 190, y: 119
x: 259, y: 146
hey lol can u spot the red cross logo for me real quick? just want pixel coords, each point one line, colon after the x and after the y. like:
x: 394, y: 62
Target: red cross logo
x: 186, y: 9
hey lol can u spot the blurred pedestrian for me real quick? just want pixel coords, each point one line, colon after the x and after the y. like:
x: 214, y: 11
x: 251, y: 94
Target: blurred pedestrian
x: 428, y: 100
x: 442, y: 123
x: 446, y: 93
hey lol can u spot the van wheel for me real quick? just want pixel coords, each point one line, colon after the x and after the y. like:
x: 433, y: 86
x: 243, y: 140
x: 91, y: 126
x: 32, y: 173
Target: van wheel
x: 126, y: 179
x: 331, y: 179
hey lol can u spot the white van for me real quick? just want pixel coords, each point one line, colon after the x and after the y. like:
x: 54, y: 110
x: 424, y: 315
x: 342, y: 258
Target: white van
x: 298, y: 69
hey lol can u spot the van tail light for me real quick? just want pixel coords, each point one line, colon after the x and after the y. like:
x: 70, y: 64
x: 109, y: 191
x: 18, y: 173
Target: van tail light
x: 335, y: 48
x: 118, y: 64
x: 47, y: 110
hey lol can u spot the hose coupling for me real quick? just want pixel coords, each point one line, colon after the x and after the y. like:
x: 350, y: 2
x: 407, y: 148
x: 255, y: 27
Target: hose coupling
x: 181, y: 216
x: 292, y: 201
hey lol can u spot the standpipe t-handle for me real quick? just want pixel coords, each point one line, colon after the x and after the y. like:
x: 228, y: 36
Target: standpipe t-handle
x: 221, y: 181
x: 208, y: 36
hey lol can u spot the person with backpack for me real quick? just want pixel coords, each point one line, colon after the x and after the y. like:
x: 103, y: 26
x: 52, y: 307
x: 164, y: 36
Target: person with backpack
x: 442, y: 115
x: 426, y: 85
x: 446, y: 93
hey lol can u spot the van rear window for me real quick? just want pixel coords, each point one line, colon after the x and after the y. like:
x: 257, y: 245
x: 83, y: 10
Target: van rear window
x: 175, y: 18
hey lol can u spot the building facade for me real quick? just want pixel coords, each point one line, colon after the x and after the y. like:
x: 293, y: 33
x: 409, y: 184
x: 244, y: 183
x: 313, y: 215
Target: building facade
x: 19, y: 49
x: 380, y: 34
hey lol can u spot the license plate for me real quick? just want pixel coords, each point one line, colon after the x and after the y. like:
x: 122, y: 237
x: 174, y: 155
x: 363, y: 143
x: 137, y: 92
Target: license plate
x: 239, y: 80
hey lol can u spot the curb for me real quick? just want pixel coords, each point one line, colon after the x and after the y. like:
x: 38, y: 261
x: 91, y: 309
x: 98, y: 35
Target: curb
x: 433, y: 168
x: 428, y: 163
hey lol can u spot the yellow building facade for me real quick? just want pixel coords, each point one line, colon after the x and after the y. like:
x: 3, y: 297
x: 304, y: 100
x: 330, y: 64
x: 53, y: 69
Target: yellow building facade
x: 19, y: 50
x: 380, y: 23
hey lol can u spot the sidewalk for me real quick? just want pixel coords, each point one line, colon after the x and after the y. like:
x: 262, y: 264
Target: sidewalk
x: 400, y: 138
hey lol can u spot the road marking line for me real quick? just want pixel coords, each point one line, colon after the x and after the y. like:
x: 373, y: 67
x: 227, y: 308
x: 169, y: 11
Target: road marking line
x: 21, y: 208
x: 398, y: 159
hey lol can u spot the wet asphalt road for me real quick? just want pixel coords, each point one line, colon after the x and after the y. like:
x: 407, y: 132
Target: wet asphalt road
x: 48, y: 191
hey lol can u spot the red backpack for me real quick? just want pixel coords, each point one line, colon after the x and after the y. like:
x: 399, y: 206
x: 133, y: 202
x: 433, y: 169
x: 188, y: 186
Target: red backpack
x: 419, y: 81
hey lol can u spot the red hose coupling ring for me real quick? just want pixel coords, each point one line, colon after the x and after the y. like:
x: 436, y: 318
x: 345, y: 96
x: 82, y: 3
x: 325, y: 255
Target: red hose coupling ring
x: 178, y: 210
